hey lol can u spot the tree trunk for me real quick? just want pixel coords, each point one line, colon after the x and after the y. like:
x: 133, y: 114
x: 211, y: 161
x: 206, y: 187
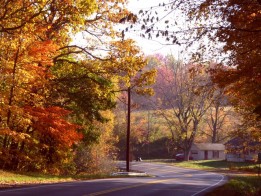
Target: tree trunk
x: 186, y: 155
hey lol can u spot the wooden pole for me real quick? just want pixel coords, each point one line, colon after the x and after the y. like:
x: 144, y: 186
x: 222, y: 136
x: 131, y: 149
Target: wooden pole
x: 128, y: 132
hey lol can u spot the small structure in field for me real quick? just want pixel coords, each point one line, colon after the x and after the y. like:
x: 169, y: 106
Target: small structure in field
x: 208, y: 151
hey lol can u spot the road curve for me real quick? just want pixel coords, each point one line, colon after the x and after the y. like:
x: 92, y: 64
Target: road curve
x: 166, y: 181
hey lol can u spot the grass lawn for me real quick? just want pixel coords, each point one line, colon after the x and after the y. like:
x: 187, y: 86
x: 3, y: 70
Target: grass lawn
x: 9, y: 179
x: 219, y: 165
x: 239, y: 186
x: 211, y: 165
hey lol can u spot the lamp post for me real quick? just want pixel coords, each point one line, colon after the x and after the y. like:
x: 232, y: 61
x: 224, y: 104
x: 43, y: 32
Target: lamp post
x: 128, y: 132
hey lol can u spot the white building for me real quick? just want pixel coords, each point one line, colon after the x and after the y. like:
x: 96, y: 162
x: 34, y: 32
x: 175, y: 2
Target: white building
x: 208, y: 151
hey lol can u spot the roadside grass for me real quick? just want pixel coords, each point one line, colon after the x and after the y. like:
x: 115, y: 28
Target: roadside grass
x: 160, y: 160
x: 219, y: 165
x: 9, y: 179
x: 239, y: 186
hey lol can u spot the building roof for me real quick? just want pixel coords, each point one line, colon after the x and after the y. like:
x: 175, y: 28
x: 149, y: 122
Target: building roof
x: 209, y: 146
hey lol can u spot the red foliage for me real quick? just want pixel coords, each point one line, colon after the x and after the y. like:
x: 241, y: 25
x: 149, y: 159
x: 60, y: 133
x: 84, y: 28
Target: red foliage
x: 43, y: 52
x: 51, y: 121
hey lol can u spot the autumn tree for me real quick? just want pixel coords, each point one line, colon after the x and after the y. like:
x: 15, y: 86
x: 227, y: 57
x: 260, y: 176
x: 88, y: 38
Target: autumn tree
x: 44, y: 75
x: 31, y: 36
x: 239, y: 30
x: 221, y: 119
x: 184, y: 93
x: 241, y: 37
x: 97, y: 152
x: 216, y: 118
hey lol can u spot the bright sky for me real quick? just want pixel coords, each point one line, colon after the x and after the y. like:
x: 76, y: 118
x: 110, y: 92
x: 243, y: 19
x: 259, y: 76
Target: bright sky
x: 150, y: 46
x: 153, y: 46
x: 147, y: 46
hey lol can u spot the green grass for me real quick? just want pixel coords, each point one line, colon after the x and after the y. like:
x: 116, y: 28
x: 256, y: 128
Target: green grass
x: 160, y: 160
x: 239, y: 186
x: 13, y: 178
x: 218, y: 165
x: 28, y: 178
x: 211, y: 165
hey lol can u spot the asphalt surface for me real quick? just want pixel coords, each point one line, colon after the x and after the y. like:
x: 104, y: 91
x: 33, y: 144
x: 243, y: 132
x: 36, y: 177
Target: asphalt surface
x: 165, y: 181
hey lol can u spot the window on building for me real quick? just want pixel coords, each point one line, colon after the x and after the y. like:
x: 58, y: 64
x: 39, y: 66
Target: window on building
x: 215, y: 154
x: 194, y: 152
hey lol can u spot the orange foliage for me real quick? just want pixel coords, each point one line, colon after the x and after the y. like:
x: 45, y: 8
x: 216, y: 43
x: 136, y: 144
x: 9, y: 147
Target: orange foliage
x: 43, y: 52
x: 36, y: 52
x: 50, y: 121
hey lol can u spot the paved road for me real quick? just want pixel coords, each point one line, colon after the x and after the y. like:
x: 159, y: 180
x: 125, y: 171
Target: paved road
x: 167, y: 181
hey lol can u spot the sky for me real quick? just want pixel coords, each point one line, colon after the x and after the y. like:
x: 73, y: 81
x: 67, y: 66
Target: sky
x: 150, y: 47
x: 180, y: 52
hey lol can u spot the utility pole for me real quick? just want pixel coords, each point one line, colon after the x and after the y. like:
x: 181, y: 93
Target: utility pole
x: 128, y: 132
